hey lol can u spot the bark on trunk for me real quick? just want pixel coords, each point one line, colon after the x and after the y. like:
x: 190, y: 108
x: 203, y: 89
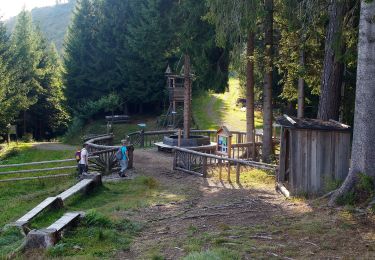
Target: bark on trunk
x: 267, y: 89
x: 250, y: 125
x: 187, y: 97
x: 330, y: 96
x: 363, y: 147
x: 301, y: 88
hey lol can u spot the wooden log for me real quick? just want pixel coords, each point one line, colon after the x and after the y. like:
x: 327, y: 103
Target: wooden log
x: 281, y: 188
x: 188, y: 171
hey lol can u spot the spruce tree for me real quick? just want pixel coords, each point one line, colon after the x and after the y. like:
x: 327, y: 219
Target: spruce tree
x: 80, y: 51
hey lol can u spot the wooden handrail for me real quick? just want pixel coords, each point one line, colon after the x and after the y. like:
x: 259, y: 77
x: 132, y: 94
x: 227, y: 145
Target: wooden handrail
x: 249, y: 163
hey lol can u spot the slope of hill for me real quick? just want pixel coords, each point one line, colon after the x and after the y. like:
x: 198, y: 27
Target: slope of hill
x: 52, y: 20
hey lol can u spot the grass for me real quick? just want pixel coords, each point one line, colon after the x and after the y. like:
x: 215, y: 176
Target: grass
x: 16, y: 198
x: 11, y: 238
x: 211, y: 110
x: 105, y: 230
x: 311, y: 235
x: 120, y: 131
x: 25, y: 152
x: 251, y: 178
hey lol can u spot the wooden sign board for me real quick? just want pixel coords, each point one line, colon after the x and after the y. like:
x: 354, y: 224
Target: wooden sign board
x: 224, y: 141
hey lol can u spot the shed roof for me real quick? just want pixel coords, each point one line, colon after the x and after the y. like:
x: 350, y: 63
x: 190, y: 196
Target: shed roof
x: 314, y: 124
x: 224, y: 130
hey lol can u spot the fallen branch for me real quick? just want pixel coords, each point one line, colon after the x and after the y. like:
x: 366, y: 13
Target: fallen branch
x: 262, y: 237
x: 220, y: 214
x: 327, y: 195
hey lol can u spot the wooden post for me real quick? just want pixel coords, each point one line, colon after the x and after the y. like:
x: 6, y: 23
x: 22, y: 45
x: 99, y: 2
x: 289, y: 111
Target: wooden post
x: 174, y: 160
x: 229, y: 171
x: 130, y: 156
x: 229, y: 146
x: 238, y: 166
x: 220, y: 169
x: 107, y: 169
x: 204, y: 167
x: 142, y: 138
x: 179, y: 138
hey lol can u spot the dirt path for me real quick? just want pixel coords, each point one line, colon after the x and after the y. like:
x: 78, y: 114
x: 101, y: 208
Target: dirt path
x: 211, y: 111
x: 207, y: 206
x: 53, y: 146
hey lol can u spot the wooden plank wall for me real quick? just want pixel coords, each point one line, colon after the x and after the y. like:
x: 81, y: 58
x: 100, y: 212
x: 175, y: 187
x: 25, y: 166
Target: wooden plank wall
x: 316, y: 157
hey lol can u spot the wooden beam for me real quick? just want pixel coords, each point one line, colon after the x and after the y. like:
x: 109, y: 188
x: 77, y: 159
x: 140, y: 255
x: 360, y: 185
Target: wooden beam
x: 290, y: 119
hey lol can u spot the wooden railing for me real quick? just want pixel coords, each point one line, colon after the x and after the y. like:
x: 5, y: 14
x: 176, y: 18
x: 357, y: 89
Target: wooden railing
x: 148, y: 138
x: 202, y: 164
x: 105, y: 160
x: 38, y: 170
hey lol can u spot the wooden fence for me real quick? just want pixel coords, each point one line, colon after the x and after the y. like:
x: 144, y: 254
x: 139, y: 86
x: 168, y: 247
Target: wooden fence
x: 149, y: 138
x: 199, y: 163
x: 27, y: 171
x: 105, y: 160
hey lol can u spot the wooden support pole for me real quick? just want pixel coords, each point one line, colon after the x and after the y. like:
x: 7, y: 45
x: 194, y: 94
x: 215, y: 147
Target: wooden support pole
x: 220, y: 169
x: 179, y: 138
x: 238, y: 169
x: 228, y: 171
x: 204, y: 167
x: 174, y: 160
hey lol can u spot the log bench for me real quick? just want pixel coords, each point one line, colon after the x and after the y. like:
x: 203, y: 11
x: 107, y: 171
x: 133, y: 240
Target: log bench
x: 88, y: 183
x: 48, y: 237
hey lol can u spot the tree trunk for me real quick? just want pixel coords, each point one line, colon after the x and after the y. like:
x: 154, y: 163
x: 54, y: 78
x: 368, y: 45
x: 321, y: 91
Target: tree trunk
x: 187, y: 97
x: 24, y: 122
x: 301, y: 88
x: 363, y: 147
x: 250, y: 125
x: 267, y: 89
x: 125, y: 108
x: 330, y: 96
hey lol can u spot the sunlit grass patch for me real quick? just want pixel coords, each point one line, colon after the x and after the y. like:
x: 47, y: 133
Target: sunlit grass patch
x: 248, y: 178
x: 211, y: 110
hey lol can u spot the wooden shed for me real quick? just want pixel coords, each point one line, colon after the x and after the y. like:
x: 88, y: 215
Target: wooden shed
x: 313, y: 153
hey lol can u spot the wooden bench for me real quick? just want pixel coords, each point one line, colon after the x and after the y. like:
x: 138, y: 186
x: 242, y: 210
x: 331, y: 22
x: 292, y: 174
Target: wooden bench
x: 118, y: 119
x: 48, y: 202
x: 48, y: 237
x: 87, y: 183
x: 82, y: 185
x: 66, y: 220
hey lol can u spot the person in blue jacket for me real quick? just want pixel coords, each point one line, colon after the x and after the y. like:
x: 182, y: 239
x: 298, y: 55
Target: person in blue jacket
x: 124, y: 158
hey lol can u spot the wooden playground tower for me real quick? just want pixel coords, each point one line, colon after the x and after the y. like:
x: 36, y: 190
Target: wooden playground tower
x: 176, y: 91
